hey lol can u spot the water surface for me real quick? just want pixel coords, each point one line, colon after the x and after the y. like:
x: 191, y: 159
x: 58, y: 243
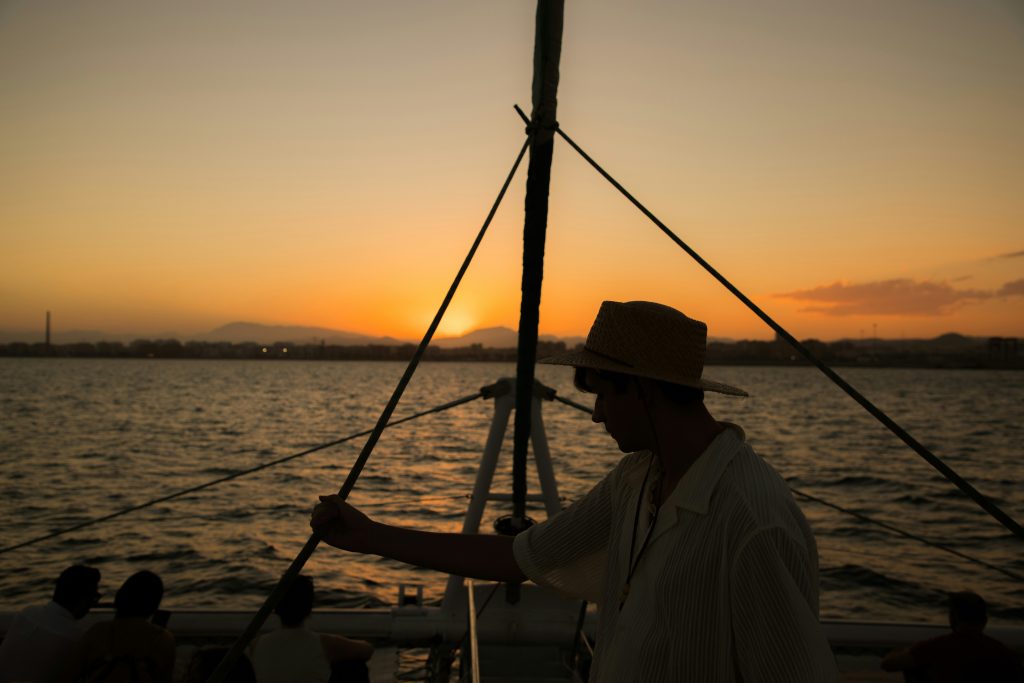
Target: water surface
x: 81, y: 438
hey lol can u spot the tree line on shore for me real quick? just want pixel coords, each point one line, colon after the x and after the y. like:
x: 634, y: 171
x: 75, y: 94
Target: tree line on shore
x: 174, y: 349
x: 963, y: 352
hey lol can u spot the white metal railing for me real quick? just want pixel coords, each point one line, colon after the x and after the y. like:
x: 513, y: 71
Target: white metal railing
x: 586, y: 644
x: 474, y: 648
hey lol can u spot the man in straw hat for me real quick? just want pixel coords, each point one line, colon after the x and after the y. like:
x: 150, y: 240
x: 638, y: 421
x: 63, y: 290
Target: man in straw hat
x: 701, y: 564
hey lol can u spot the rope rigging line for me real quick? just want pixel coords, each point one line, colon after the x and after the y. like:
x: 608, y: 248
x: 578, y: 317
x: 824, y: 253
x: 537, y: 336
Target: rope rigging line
x: 479, y: 613
x: 896, y: 530
x: 221, y: 672
x: 573, y: 404
x: 865, y: 518
x: 235, y: 475
x: 982, y: 501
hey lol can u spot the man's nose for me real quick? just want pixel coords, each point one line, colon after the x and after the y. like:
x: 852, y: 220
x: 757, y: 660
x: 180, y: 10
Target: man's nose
x: 598, y: 414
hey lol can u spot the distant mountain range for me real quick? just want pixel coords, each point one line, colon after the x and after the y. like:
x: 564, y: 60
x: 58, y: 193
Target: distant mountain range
x: 951, y: 341
x: 488, y: 337
x: 238, y: 332
x: 498, y: 338
x: 491, y: 337
x: 293, y: 334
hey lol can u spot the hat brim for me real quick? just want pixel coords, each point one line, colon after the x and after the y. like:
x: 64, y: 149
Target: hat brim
x: 582, y: 358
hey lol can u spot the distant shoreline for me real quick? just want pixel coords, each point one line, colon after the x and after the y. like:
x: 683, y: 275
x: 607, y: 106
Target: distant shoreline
x: 950, y: 351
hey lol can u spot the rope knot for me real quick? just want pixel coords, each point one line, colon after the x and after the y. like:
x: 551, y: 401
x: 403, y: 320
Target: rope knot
x: 532, y: 127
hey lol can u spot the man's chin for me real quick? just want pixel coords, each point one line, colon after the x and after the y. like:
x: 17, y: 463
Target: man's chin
x: 624, y: 446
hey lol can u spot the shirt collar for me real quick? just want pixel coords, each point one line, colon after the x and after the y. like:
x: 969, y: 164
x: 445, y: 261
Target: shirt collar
x: 693, y: 492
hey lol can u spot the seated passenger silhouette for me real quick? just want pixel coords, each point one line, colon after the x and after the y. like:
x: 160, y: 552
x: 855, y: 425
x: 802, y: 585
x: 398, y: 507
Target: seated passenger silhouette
x: 294, y: 654
x: 41, y: 638
x: 964, y: 656
x: 129, y: 648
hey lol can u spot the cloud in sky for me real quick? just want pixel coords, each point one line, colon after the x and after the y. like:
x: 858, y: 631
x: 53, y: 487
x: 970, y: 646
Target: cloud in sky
x: 1015, y: 288
x: 895, y: 297
x: 1012, y: 254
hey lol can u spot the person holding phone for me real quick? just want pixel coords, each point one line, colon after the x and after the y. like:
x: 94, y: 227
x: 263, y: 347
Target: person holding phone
x: 130, y: 648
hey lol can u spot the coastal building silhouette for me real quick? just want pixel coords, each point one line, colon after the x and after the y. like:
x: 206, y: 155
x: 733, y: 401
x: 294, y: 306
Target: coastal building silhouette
x: 1004, y: 348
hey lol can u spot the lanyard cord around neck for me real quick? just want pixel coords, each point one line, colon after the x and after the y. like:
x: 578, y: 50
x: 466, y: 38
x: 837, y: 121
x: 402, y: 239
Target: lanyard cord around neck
x: 633, y: 563
x: 639, y: 502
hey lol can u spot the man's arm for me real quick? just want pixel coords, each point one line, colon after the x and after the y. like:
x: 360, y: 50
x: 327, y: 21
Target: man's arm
x: 480, y: 556
x: 778, y: 637
x: 342, y: 649
x: 899, y: 660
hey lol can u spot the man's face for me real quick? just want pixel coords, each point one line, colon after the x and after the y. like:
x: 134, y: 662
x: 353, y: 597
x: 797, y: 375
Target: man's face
x: 622, y: 412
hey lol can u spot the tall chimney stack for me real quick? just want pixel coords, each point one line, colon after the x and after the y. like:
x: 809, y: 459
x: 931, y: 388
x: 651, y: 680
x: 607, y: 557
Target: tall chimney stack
x: 47, y: 329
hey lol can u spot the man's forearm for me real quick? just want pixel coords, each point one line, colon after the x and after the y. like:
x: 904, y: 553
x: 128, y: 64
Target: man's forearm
x: 479, y: 556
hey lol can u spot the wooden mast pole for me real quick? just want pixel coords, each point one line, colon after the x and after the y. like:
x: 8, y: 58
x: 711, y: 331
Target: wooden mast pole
x: 547, y: 52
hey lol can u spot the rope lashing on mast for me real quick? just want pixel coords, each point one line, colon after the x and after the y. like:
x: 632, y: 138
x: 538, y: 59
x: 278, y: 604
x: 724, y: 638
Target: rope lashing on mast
x: 238, y: 647
x: 865, y: 518
x: 235, y: 475
x: 945, y: 470
x: 534, y: 126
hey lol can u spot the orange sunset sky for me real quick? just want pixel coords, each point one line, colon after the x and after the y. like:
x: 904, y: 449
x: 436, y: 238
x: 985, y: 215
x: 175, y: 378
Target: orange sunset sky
x: 171, y: 167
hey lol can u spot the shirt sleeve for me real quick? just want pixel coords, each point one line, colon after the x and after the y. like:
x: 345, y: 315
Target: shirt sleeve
x: 775, y: 621
x: 569, y: 551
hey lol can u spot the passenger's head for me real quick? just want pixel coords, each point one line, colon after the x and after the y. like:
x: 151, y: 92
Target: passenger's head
x: 967, y: 612
x: 139, y: 595
x: 297, y: 602
x: 77, y: 589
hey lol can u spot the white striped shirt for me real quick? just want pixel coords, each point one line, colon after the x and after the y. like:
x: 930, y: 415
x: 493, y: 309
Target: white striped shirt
x: 726, y: 589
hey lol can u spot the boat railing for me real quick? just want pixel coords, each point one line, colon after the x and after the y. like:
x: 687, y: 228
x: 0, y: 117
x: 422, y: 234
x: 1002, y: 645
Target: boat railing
x: 471, y: 655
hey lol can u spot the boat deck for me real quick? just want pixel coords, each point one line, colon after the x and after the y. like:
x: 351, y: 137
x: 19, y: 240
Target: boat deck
x: 385, y: 666
x: 403, y: 634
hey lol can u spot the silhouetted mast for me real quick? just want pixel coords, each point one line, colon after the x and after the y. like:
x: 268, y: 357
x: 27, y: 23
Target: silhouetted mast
x: 547, y: 51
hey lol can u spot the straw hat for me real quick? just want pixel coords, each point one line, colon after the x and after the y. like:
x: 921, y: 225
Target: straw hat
x: 646, y: 339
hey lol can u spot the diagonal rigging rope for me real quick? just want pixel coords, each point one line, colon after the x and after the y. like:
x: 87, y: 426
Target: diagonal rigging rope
x: 983, y: 501
x: 235, y: 475
x: 885, y: 525
x: 896, y: 530
x: 222, y: 670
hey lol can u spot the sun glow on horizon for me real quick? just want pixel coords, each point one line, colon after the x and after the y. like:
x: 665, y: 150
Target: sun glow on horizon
x: 456, y: 324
